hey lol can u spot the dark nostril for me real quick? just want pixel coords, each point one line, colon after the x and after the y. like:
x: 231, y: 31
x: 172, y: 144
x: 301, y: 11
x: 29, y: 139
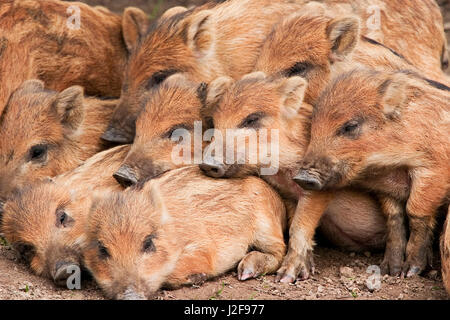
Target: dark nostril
x: 113, y: 135
x: 63, y: 270
x: 125, y: 177
x: 213, y: 170
x: 307, y: 181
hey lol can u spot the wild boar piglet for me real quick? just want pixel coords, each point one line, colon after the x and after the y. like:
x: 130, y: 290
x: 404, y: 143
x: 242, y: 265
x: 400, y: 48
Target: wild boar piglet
x: 183, y: 228
x: 165, y: 132
x: 318, y: 45
x: 269, y: 124
x: 45, y: 133
x: 205, y: 42
x: 63, y: 44
x: 387, y: 133
x: 45, y: 221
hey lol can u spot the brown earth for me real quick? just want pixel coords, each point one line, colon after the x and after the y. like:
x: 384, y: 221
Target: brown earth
x: 340, y: 275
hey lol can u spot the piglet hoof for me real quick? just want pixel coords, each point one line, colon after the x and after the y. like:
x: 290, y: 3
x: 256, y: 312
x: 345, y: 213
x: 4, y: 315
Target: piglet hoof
x: 416, y: 264
x: 251, y: 266
x: 197, y: 279
x: 391, y: 267
x: 294, y: 266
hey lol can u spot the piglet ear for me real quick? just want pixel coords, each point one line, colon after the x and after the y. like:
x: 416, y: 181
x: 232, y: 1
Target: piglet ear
x: 32, y: 86
x: 343, y: 34
x: 292, y: 91
x: 158, y: 202
x: 394, y: 94
x: 178, y: 80
x: 200, y: 33
x: 69, y: 105
x: 134, y: 25
x: 216, y: 89
x: 255, y: 76
x: 173, y: 11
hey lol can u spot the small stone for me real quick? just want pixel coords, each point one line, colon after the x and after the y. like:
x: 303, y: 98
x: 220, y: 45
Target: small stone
x: 346, y: 272
x: 401, y: 296
x: 367, y: 254
x: 433, y: 275
x: 320, y: 289
x: 352, y: 254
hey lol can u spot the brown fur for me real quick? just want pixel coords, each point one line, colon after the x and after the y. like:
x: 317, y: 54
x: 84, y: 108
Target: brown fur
x: 174, y: 105
x: 36, y: 43
x: 31, y: 218
x: 386, y: 132
x: 318, y: 45
x: 413, y: 28
x: 193, y: 227
x: 279, y: 104
x: 205, y: 42
x: 65, y: 127
x: 445, y: 253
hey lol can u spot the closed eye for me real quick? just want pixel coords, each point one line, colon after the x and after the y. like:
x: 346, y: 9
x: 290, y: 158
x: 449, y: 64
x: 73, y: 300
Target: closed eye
x: 38, y: 152
x: 298, y: 69
x: 158, y: 77
x: 148, y: 245
x: 168, y: 134
x: 103, y: 251
x: 350, y: 128
x: 252, y: 120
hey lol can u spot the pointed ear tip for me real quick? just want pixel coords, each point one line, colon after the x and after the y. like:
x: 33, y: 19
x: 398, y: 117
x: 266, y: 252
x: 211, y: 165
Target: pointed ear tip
x: 73, y: 90
x: 131, y: 11
x: 352, y: 22
x: 35, y: 83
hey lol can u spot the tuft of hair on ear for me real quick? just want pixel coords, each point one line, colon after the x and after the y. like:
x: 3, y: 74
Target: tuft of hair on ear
x: 102, y: 9
x: 292, y: 91
x: 178, y: 80
x: 343, y: 34
x: 135, y: 23
x: 158, y: 202
x: 173, y: 11
x: 394, y: 94
x: 254, y: 76
x: 32, y: 86
x: 212, y: 94
x: 199, y: 32
x: 69, y: 105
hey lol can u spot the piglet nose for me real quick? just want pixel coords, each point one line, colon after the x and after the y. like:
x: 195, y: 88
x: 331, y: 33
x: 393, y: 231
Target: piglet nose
x: 64, y: 270
x: 307, y: 181
x: 130, y: 294
x: 213, y: 168
x: 113, y: 135
x: 125, y: 176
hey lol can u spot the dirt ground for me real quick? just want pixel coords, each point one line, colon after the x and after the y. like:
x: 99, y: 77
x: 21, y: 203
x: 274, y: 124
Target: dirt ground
x: 340, y: 275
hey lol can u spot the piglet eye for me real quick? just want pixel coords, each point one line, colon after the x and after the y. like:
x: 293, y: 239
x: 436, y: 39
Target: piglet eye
x: 252, y: 120
x: 169, y: 133
x: 63, y: 220
x: 158, y: 77
x: 38, y: 152
x: 350, y: 127
x: 148, y: 245
x: 298, y: 69
x: 103, y: 251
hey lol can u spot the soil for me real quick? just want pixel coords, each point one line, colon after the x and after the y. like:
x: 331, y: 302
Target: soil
x: 339, y: 275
